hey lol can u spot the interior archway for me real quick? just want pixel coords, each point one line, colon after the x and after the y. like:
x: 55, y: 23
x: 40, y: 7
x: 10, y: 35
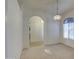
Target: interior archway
x: 36, y: 31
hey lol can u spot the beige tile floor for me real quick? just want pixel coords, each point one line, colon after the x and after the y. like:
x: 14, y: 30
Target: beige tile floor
x: 58, y: 51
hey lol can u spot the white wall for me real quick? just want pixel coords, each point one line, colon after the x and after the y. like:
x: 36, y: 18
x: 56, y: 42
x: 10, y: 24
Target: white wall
x: 14, y: 30
x: 70, y: 43
x: 51, y: 27
x: 51, y: 32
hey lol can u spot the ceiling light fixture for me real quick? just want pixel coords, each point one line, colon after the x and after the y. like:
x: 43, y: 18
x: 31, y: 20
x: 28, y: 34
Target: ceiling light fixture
x: 57, y: 16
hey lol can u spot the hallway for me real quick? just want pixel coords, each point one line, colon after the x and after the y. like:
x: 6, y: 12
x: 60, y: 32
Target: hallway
x: 57, y: 51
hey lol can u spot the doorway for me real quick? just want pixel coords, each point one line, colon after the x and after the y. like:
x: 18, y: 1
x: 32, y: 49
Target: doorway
x: 36, y: 31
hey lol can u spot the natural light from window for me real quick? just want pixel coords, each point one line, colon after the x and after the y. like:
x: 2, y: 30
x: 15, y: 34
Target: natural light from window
x: 69, y: 28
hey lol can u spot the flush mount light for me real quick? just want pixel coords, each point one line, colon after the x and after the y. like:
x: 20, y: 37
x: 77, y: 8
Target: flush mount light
x: 57, y: 16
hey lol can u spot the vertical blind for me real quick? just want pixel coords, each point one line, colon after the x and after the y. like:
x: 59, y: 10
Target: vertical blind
x: 69, y: 28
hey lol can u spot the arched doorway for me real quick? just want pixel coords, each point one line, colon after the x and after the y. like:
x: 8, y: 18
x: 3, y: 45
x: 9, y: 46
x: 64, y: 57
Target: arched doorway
x: 36, y: 31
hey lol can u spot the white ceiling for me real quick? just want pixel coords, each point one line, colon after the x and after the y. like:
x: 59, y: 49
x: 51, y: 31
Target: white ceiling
x: 46, y: 6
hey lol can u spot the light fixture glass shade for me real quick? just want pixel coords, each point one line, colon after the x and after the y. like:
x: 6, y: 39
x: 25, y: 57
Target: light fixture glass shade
x: 57, y: 17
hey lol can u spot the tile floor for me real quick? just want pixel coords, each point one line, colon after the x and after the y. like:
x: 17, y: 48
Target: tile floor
x: 58, y: 51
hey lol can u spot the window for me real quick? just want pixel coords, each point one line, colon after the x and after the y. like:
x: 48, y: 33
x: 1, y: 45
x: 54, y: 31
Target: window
x: 69, y: 28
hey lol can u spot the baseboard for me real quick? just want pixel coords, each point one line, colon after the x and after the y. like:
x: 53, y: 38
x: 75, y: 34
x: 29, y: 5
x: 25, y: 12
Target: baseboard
x: 57, y: 44
x: 67, y: 45
x: 51, y: 44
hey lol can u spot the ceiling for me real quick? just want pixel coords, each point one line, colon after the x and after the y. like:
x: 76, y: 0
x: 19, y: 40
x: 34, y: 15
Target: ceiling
x: 46, y: 6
